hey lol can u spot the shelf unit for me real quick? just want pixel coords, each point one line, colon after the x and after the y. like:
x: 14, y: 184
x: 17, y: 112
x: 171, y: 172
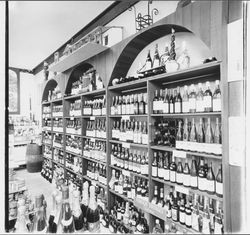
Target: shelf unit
x: 199, y: 73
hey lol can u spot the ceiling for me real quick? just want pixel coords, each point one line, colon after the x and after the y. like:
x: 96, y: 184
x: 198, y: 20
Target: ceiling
x: 37, y: 29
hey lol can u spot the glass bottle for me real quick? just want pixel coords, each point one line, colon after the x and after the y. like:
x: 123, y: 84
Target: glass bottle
x: 185, y: 100
x: 193, y: 175
x: 141, y: 105
x: 186, y: 136
x: 156, y: 59
x: 175, y: 208
x: 210, y: 188
x: 179, y: 132
x: 52, y: 225
x: 154, y: 166
x: 172, y: 169
x: 206, y: 218
x: 160, y: 167
x: 21, y: 222
x: 208, y: 99
x: 202, y: 176
x: 178, y: 102
x: 209, y: 133
x: 199, y: 99
x: 192, y: 100
x: 200, y: 133
x: 193, y: 134
x: 92, y: 214
x: 157, y: 228
x: 182, y: 213
x: 155, y: 102
x: 188, y: 217
x: 85, y: 203
x: 218, y: 221
x: 219, y: 183
x: 149, y: 62
x: 217, y: 132
x: 217, y: 97
x: 76, y: 211
x: 171, y: 102
x: 160, y: 102
x: 179, y: 173
x: 186, y: 174
x: 165, y: 105
x: 155, y: 198
x: 166, y: 168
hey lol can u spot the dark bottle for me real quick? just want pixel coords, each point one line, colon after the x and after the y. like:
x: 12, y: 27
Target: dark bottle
x: 149, y: 62
x: 165, y: 106
x: 155, y: 198
x: 193, y: 133
x: 141, y: 105
x: 67, y: 221
x: 178, y: 102
x: 85, y: 203
x: 175, y: 208
x: 193, y: 175
x: 182, y: 213
x: 173, y: 169
x: 188, y: 216
x: 202, y: 176
x: 219, y: 183
x: 154, y: 166
x: 171, y: 102
x: 209, y: 133
x: 160, y: 167
x: 200, y: 133
x: 210, y: 188
x: 166, y: 168
x: 208, y: 99
x: 52, y: 225
x: 76, y: 211
x: 186, y: 174
x: 92, y: 214
x: 161, y: 199
x: 179, y: 173
x: 157, y: 228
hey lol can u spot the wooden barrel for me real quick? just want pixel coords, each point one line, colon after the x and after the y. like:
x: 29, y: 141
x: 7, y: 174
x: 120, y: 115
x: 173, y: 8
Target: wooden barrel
x: 34, y: 157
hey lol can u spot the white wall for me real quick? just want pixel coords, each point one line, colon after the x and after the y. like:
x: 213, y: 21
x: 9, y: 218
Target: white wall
x: 127, y: 18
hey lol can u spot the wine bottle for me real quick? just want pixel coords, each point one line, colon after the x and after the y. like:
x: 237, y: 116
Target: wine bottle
x: 21, y: 225
x: 182, y: 212
x: 209, y: 133
x: 160, y: 167
x: 206, y: 218
x: 92, y: 214
x: 52, y: 225
x: 175, y: 208
x: 168, y: 207
x: 217, y: 133
x: 76, y: 211
x: 179, y: 132
x: 85, y: 203
x: 171, y: 102
x: 166, y: 167
x: 157, y: 228
x: 186, y: 136
x: 149, y: 62
x: 179, y: 173
x: 154, y: 166
x: 141, y: 105
x: 199, y: 99
x: 210, y: 180
x: 193, y: 133
x: 146, y: 102
x: 202, y: 176
x: 200, y: 133
x: 188, y: 215
x: 217, y: 97
x: 218, y: 221
x: 192, y: 100
x: 155, y: 198
x: 186, y: 174
x: 219, y: 183
x: 156, y: 59
x: 172, y: 169
x: 165, y: 105
x: 185, y: 100
x: 208, y: 99
x: 193, y: 175
x: 178, y: 102
x: 155, y: 102
x: 160, y: 102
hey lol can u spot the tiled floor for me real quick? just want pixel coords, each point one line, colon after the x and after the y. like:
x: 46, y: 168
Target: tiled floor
x: 36, y: 184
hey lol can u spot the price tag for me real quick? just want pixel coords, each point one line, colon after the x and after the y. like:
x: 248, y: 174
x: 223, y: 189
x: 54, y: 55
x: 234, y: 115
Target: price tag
x: 126, y: 145
x: 56, y: 118
x: 125, y: 117
x: 92, y: 118
x: 179, y: 154
x: 71, y: 118
x: 182, y: 189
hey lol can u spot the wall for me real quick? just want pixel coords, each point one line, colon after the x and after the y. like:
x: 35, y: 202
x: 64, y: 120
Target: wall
x: 127, y: 18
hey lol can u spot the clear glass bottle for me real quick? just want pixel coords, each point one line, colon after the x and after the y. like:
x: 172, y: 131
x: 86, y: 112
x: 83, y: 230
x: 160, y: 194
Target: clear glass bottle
x: 76, y: 211
x: 178, y: 101
x: 217, y: 132
x: 85, y: 203
x: 192, y: 100
x: 200, y: 100
x: 156, y: 59
x: 193, y: 133
x: 217, y: 97
x: 209, y: 133
x: 149, y: 62
x: 219, y: 183
x: 208, y: 98
x: 185, y: 100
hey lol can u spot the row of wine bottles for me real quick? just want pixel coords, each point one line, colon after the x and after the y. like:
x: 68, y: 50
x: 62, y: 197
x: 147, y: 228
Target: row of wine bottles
x: 57, y: 109
x: 46, y: 109
x: 189, y: 132
x: 97, y: 172
x: 95, y: 149
x: 95, y: 107
x: 75, y: 108
x: 54, y: 94
x: 172, y: 101
x: 124, y: 158
x: 46, y: 171
x: 197, y: 177
x: 73, y: 163
x: 73, y: 144
x: 129, y: 186
x: 96, y: 128
x: 58, y: 156
x: 130, y: 131
x: 47, y: 151
x: 74, y: 124
x: 194, y: 211
x: 129, y: 104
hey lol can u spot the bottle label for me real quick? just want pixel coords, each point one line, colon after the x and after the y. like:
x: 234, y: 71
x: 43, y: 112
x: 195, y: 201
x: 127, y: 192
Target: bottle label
x: 219, y: 188
x: 194, y: 181
x: 210, y: 187
x: 155, y: 105
x: 217, y: 105
x: 182, y: 217
x: 165, y: 107
x: 179, y: 178
x: 171, y: 108
x: 94, y: 227
x: 192, y: 104
x: 169, y: 213
x: 177, y: 107
x: 160, y: 105
x: 202, y: 183
x: 154, y: 171
x: 160, y: 172
x: 195, y: 221
x: 172, y: 176
x: 166, y: 174
x: 144, y: 138
x: 205, y: 226
x: 185, y: 106
x: 174, y: 214
x: 199, y: 106
x: 186, y: 180
x: 188, y: 220
x: 207, y: 101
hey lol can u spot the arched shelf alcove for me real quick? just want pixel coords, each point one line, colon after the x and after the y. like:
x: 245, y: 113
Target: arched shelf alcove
x: 75, y: 74
x: 49, y: 86
x: 136, y: 44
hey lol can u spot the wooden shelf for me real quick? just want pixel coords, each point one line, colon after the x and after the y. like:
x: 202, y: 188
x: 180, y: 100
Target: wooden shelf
x: 128, y: 115
x: 95, y: 116
x: 73, y: 134
x: 177, y: 115
x: 72, y: 171
x: 19, y: 190
x: 131, y: 144
x: 57, y: 100
x: 195, y: 191
x: 58, y: 132
x: 198, y: 154
x: 75, y: 117
x: 140, y: 83
x: 73, y: 97
x: 72, y: 153
x: 58, y: 163
x: 46, y: 102
x: 94, y: 160
x: 121, y: 196
x: 88, y: 137
x: 94, y: 182
x: 95, y: 92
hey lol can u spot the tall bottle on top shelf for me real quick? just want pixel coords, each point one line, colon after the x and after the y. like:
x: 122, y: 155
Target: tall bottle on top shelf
x: 92, y: 214
x: 67, y: 221
x: 165, y: 106
x: 156, y: 60
x: 192, y: 100
x: 149, y: 62
x: 208, y: 99
x: 178, y: 101
x: 217, y: 97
